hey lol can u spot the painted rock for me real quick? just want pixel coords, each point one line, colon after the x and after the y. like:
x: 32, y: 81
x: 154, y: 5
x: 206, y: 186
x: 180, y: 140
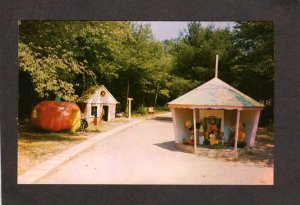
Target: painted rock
x: 56, y: 116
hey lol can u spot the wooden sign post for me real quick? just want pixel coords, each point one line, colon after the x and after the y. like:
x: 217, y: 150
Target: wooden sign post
x: 129, y: 108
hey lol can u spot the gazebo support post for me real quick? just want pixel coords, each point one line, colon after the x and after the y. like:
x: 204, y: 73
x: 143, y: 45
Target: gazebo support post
x: 195, y: 137
x: 236, y: 132
x: 254, y: 128
x: 175, y: 125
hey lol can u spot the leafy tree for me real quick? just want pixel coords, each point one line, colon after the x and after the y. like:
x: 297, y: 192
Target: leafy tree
x: 144, y: 63
x: 46, y: 71
x: 65, y: 58
x: 45, y: 53
x: 197, y: 49
x: 99, y: 46
x: 254, y: 42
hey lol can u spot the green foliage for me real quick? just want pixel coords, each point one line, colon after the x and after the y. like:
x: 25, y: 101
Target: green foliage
x: 246, y: 55
x: 47, y: 71
x: 99, y: 46
x: 65, y: 58
x: 254, y: 62
x: 216, y: 146
x: 144, y: 68
x: 178, y: 86
x: 254, y: 42
x: 141, y: 110
x: 196, y: 52
x: 161, y: 108
x: 45, y: 52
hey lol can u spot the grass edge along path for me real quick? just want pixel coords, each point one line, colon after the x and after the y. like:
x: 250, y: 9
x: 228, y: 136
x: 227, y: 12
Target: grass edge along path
x: 36, y: 146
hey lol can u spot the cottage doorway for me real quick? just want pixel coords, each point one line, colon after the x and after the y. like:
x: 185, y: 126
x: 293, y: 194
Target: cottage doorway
x: 105, y: 113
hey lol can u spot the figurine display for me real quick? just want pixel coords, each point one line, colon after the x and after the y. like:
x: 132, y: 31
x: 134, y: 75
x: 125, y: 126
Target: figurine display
x: 209, y: 128
x: 241, y: 143
x: 190, y: 138
x: 212, y: 127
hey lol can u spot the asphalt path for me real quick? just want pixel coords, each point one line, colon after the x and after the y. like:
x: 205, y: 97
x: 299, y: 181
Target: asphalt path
x: 146, y: 154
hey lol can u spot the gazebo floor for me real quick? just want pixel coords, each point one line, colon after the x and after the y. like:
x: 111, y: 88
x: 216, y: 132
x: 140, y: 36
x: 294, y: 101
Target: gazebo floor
x: 203, y: 150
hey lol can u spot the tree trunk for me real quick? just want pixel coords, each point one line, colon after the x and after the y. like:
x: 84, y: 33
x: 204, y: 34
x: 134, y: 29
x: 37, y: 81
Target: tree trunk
x: 84, y: 84
x: 127, y: 95
x: 156, y: 94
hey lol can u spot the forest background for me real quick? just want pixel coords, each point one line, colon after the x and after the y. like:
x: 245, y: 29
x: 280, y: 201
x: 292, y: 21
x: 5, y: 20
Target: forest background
x: 62, y: 59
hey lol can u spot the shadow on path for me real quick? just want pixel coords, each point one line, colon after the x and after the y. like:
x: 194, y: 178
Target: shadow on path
x: 163, y: 118
x: 170, y: 145
x: 263, y: 151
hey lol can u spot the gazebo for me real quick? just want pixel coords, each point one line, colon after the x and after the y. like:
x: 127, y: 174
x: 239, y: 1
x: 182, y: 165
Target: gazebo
x: 216, y: 99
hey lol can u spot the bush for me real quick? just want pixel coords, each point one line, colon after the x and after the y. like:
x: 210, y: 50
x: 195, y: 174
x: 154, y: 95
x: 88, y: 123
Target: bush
x: 161, y: 108
x: 217, y: 146
x: 141, y: 110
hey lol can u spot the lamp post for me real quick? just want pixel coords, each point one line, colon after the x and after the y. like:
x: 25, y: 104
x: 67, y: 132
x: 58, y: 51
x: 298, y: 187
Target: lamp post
x: 129, y: 108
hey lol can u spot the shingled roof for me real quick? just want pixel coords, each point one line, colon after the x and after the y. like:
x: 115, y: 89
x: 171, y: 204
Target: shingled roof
x: 92, y: 95
x: 215, y: 93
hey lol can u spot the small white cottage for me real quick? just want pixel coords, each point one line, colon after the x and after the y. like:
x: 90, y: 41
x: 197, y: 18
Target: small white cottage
x: 98, y: 101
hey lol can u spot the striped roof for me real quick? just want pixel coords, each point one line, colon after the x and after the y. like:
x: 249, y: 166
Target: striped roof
x: 215, y: 93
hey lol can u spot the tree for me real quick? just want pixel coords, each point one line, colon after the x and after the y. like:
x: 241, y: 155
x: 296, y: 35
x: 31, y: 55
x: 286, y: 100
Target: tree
x: 254, y: 42
x: 65, y: 58
x: 45, y: 53
x: 246, y: 55
x: 46, y: 71
x: 143, y: 65
x: 99, y: 46
x: 196, y: 52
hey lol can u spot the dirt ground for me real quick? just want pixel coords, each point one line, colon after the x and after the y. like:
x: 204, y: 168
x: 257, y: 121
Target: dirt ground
x: 262, y: 153
x: 35, y: 146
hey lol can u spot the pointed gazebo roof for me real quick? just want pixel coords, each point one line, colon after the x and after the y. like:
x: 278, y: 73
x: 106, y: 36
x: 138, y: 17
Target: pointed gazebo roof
x: 216, y: 94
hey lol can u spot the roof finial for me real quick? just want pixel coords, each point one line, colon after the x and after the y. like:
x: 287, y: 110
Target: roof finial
x: 217, y: 59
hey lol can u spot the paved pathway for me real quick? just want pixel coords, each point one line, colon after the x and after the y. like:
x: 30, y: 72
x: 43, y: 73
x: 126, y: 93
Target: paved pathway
x: 145, y: 154
x: 43, y: 169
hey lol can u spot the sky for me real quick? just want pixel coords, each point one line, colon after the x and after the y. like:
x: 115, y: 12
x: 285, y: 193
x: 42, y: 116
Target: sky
x: 163, y: 30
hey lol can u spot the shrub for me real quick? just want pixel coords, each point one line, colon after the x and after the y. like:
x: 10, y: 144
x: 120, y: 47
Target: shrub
x: 161, y: 108
x: 141, y: 110
x: 217, y: 146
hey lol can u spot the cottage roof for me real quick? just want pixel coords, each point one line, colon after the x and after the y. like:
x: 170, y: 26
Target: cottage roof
x: 215, y: 93
x: 93, y: 95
